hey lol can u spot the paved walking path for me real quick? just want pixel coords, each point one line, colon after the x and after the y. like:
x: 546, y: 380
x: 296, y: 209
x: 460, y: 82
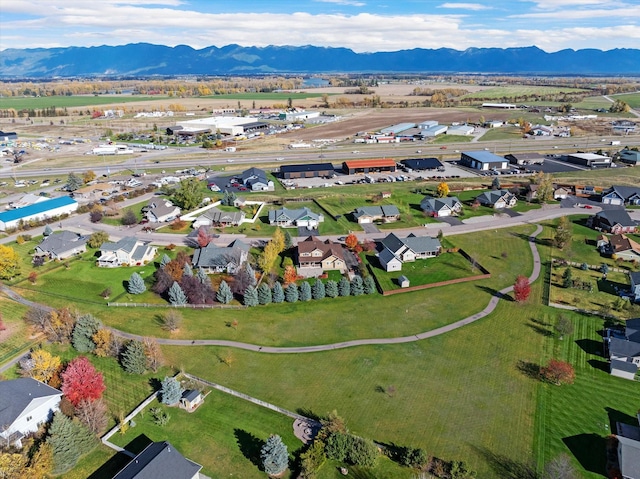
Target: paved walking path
x: 493, y: 303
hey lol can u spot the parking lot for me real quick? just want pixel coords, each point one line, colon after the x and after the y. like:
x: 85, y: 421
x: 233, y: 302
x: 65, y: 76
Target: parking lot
x: 229, y: 183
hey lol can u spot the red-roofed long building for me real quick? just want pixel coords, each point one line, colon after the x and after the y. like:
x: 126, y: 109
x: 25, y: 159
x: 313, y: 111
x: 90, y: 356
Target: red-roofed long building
x: 368, y: 166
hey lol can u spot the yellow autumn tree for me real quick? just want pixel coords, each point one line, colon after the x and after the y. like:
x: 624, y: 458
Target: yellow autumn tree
x: 442, y: 190
x: 103, y: 339
x: 45, y: 365
x: 9, y: 262
x: 278, y: 240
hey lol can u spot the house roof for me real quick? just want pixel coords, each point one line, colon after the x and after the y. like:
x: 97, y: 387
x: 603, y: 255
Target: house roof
x: 17, y: 394
x: 635, y: 278
x: 218, y: 216
x: 213, y: 255
x: 624, y: 348
x: 484, y: 156
x: 392, y: 242
x: 623, y: 243
x: 163, y: 209
x: 61, y: 241
x: 254, y: 175
x: 629, y: 457
x: 615, y: 216
x: 385, y: 256
x: 328, y: 247
x: 370, y: 163
x: 422, y: 244
x: 159, y: 460
x: 36, y: 208
x: 282, y: 214
x: 626, y: 366
x: 492, y: 197
x: 306, y: 167
x: 624, y: 192
x: 384, y: 211
x: 632, y: 329
x: 436, y: 204
x: 422, y: 163
x: 190, y: 394
x: 126, y: 244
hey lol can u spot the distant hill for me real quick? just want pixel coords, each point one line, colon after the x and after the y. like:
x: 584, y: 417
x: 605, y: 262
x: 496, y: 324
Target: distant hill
x: 143, y: 59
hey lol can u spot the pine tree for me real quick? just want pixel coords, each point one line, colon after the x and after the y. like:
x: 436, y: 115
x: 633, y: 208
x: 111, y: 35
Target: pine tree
x: 136, y: 284
x: 47, y: 231
x: 318, y: 290
x: 288, y: 242
x: 357, y: 286
x: 176, y: 295
x: 291, y: 293
x: 567, y: 278
x: 133, y: 359
x: 264, y: 294
x: 277, y: 294
x: 69, y: 440
x: 369, y: 285
x: 274, y: 455
x: 187, y: 270
x: 250, y: 298
x: 170, y: 391
x: 84, y: 329
x: 331, y: 288
x: 224, y: 294
x: 165, y: 259
x: 305, y: 291
x: 203, y: 277
x: 344, y: 288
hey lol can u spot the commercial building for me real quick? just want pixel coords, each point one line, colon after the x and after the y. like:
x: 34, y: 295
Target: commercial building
x: 525, y: 158
x: 630, y: 157
x: 461, y: 130
x: 395, y: 129
x: 420, y: 164
x: 483, y: 160
x: 368, y: 166
x: 37, y: 212
x: 435, y: 130
x: 590, y: 160
x: 227, y: 125
x: 298, y: 115
x: 307, y: 170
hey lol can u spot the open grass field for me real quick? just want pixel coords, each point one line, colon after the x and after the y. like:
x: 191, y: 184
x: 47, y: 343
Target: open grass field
x: 593, y: 103
x: 520, y: 91
x: 272, y: 96
x: 14, y: 339
x: 631, y: 99
x: 502, y: 133
x: 20, y: 103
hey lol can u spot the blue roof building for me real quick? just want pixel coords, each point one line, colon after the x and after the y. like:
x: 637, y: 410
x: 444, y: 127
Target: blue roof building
x: 483, y: 160
x: 38, y: 211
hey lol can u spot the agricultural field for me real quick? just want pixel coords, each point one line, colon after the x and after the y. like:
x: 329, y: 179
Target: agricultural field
x: 271, y: 96
x: 500, y: 93
x: 631, y: 99
x: 28, y: 103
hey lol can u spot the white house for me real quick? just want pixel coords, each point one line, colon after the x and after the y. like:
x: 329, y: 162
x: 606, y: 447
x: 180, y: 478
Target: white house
x: 128, y: 251
x: 25, y: 404
x: 396, y: 250
x: 161, y: 211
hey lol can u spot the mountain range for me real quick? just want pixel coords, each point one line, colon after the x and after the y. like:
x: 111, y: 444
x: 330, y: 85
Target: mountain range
x: 144, y: 59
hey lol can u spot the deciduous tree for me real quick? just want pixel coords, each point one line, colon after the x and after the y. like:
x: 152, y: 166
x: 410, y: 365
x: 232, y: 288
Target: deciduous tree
x: 267, y: 258
x: 351, y: 241
x: 274, y: 455
x: 103, y: 339
x: 93, y: 414
x: 43, y: 365
x: 80, y: 380
x: 153, y: 353
x: 564, y: 233
x: 442, y: 190
x: 560, y: 468
x: 521, y: 289
x: 171, y: 320
x: 9, y: 262
x: 188, y: 194
x: 290, y: 275
x: 129, y: 218
x: 97, y: 239
x: 558, y: 372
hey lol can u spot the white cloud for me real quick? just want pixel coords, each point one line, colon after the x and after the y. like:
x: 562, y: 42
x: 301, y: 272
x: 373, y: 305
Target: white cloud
x: 580, y: 14
x: 348, y: 3
x: 465, y: 6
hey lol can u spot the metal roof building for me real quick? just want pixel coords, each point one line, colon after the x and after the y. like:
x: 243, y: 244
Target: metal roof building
x: 38, y: 211
x: 482, y: 160
x: 392, y: 130
x: 368, y: 166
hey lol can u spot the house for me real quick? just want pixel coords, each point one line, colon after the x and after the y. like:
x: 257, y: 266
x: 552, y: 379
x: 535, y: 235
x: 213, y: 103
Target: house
x: 216, y: 217
x: 624, y: 350
x: 25, y: 404
x: 497, y: 199
x: 256, y: 180
x: 221, y: 259
x: 129, y: 251
x: 316, y: 256
x: 560, y: 192
x: 160, y: 210
x: 635, y: 286
x: 483, y: 160
x: 629, y: 457
x: 51, y: 208
x: 612, y: 221
x: 160, y: 460
x: 292, y: 218
x: 531, y: 191
x: 621, y: 195
x: 191, y: 399
x: 620, y: 245
x: 439, y: 207
x: 61, y: 245
x: 630, y: 157
x: 307, y: 170
x: 407, y: 249
x: 369, y: 214
x: 541, y: 130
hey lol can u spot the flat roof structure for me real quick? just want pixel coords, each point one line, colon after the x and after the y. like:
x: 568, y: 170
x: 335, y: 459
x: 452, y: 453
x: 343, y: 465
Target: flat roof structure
x: 44, y: 209
x: 391, y: 130
x: 422, y: 163
x: 306, y: 170
x: 482, y: 160
x: 365, y: 166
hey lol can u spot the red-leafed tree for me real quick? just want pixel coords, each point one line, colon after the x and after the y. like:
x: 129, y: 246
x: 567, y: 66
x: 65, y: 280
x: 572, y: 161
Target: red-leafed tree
x: 290, y: 274
x: 558, y: 372
x: 521, y: 289
x: 80, y: 380
x: 351, y: 241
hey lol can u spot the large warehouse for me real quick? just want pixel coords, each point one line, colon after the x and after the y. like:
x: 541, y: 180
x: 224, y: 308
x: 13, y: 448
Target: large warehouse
x: 37, y: 211
x: 368, y: 166
x: 590, y: 160
x: 419, y: 164
x: 307, y: 170
x: 483, y: 160
x: 227, y: 125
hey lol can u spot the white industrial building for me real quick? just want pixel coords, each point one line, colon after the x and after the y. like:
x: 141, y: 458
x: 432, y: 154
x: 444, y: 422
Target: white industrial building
x: 37, y: 211
x: 298, y: 115
x: 435, y: 130
x: 427, y: 124
x: 227, y: 125
x: 395, y: 129
x: 462, y: 130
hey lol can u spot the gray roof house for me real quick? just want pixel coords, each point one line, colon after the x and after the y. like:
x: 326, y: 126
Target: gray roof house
x: 407, y: 249
x: 497, y: 199
x: 635, y: 287
x: 437, y: 207
x: 257, y: 180
x: 25, y: 404
x: 160, y: 211
x: 214, y: 216
x: 628, y: 437
x: 62, y: 245
x: 614, y: 221
x: 160, y: 460
x: 624, y: 353
x: 128, y: 251
x: 291, y: 218
x: 621, y: 195
x: 369, y: 214
x: 219, y: 259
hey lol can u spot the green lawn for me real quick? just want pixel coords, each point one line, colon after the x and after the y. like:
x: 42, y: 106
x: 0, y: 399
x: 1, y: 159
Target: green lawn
x: 445, y: 267
x: 501, y: 92
x: 502, y: 133
x: 14, y: 339
x: 20, y: 103
x: 631, y: 99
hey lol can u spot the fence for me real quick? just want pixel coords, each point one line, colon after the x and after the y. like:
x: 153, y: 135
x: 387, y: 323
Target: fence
x: 435, y: 285
x: 191, y: 306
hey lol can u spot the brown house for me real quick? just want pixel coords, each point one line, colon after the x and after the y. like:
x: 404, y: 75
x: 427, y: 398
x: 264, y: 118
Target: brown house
x: 316, y: 256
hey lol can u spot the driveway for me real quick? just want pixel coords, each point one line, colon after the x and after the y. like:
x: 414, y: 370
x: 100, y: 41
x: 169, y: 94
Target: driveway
x: 370, y: 228
x: 450, y: 220
x: 350, y: 259
x: 510, y: 212
x: 304, y: 231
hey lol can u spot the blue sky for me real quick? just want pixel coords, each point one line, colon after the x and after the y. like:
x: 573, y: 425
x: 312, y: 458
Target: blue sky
x: 362, y: 25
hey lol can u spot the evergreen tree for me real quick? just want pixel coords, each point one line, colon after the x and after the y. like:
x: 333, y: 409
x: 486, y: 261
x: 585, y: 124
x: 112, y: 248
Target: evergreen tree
x: 84, y: 329
x: 74, y: 182
x: 176, y: 295
x: 369, y: 285
x: 133, y: 359
x: 250, y: 298
x: 567, y: 278
x: 344, y: 288
x: 264, y: 294
x: 203, y: 277
x: 136, y: 284
x: 187, y: 270
x: 47, y: 231
x: 171, y: 391
x: 165, y: 259
x: 274, y: 455
x: 69, y: 439
x: 357, y: 286
x: 277, y: 294
x: 305, y: 291
x: 291, y: 293
x: 224, y: 294
x: 331, y: 288
x: 318, y: 290
x: 288, y: 242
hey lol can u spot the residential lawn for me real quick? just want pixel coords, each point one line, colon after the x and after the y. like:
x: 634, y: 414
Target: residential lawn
x: 445, y: 267
x: 230, y: 432
x: 101, y: 463
x: 15, y: 338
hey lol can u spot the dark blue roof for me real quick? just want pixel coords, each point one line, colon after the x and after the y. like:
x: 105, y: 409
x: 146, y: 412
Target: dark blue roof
x: 306, y: 167
x: 12, y: 215
x: 422, y: 163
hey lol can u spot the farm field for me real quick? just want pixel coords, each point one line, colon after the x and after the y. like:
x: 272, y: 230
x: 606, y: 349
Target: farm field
x: 519, y: 91
x: 19, y: 103
x: 631, y: 99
